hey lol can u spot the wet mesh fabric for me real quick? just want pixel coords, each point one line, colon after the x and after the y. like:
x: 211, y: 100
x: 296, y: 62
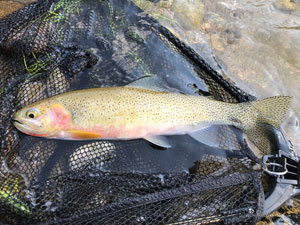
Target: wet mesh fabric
x: 52, y: 47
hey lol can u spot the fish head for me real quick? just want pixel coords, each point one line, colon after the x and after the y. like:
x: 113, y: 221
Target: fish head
x: 44, y: 120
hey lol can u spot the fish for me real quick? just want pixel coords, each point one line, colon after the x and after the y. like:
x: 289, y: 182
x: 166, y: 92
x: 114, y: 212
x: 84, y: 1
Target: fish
x: 134, y: 112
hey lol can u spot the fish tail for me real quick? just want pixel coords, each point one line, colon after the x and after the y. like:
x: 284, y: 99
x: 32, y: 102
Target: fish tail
x: 271, y: 111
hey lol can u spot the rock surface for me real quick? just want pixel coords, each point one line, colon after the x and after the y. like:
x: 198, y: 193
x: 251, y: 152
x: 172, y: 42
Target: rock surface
x: 7, y: 7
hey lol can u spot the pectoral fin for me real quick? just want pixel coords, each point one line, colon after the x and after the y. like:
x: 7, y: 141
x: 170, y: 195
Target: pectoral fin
x: 159, y: 141
x: 83, y: 135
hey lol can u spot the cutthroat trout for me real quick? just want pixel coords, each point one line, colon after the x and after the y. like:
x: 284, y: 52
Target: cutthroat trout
x: 131, y: 113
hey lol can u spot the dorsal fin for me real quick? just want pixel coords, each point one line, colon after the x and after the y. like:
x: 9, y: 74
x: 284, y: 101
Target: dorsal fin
x: 150, y: 83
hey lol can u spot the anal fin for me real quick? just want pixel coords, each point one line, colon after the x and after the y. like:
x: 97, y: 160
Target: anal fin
x: 205, y: 135
x: 218, y: 136
x: 159, y: 141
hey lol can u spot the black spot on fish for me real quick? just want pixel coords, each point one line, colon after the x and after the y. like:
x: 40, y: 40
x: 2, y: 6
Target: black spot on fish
x: 235, y: 120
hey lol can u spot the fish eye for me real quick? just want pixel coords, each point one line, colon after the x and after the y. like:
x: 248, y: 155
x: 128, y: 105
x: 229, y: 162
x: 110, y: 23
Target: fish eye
x: 31, y: 114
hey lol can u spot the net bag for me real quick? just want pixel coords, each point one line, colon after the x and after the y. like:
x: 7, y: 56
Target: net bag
x: 52, y: 47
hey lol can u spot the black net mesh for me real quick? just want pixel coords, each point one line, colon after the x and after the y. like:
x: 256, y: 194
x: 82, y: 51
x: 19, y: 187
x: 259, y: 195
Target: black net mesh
x: 52, y: 47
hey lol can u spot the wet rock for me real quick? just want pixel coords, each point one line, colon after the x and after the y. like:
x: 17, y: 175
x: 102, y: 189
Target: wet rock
x: 7, y: 7
x: 287, y: 5
x: 206, y: 27
x: 216, y: 42
x: 231, y: 34
x: 189, y: 13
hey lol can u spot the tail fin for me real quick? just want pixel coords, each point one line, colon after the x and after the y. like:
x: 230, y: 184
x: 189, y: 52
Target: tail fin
x: 272, y: 110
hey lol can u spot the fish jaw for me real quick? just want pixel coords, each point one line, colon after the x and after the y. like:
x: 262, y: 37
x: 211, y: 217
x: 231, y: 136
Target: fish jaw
x: 27, y: 129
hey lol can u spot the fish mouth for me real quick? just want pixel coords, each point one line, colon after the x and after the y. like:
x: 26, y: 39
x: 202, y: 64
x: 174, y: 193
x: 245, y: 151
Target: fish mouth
x: 23, y: 127
x: 16, y: 121
x: 19, y: 125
